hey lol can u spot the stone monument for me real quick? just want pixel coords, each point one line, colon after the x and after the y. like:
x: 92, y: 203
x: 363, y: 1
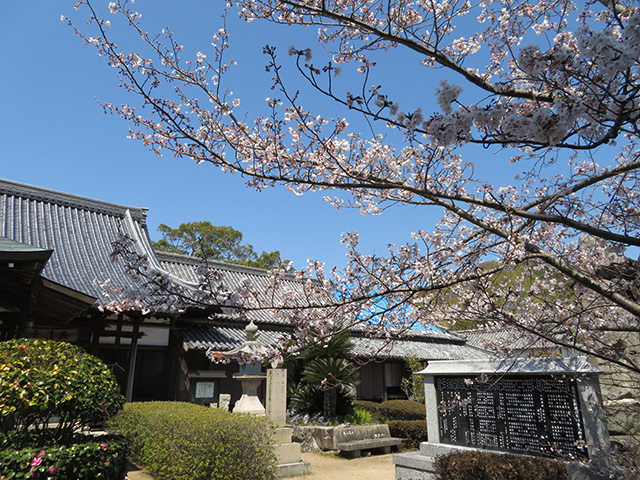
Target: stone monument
x: 277, y: 395
x: 287, y: 452
x: 539, y: 406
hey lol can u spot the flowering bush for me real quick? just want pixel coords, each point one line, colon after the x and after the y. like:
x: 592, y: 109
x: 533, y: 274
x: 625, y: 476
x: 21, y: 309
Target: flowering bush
x: 87, y: 458
x: 41, y: 380
x: 178, y: 441
x: 47, y: 391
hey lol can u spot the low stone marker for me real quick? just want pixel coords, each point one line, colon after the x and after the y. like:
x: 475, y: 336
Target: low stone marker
x: 352, y: 440
x: 349, y: 440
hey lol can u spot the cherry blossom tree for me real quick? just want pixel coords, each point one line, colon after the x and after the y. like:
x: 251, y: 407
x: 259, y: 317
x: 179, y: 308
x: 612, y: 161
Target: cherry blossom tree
x: 547, y: 87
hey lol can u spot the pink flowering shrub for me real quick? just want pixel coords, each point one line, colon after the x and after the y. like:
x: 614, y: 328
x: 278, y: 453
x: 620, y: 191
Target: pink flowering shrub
x: 48, y: 390
x: 100, y: 457
x: 41, y: 379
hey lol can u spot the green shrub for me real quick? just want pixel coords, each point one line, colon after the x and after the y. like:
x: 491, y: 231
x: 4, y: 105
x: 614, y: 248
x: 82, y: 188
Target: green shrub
x: 358, y: 417
x: 303, y: 397
x: 42, y: 381
x: 372, y: 407
x: 45, y: 379
x: 493, y: 466
x: 402, y: 410
x: 185, y: 441
x: 86, y: 458
x: 413, y: 431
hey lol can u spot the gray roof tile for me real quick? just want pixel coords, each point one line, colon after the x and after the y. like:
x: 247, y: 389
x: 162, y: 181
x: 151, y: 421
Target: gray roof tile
x: 506, y: 338
x: 224, y: 338
x: 184, y: 266
x: 79, y: 230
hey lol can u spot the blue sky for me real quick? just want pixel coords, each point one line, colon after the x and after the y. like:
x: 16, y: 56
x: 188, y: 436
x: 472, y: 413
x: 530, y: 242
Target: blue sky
x: 55, y: 135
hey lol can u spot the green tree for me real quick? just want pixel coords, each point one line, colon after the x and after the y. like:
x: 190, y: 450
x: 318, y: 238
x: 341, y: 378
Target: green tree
x: 202, y: 239
x: 413, y: 386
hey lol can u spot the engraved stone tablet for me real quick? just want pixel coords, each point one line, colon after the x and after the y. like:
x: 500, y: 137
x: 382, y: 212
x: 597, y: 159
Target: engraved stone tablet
x: 277, y: 395
x: 537, y: 415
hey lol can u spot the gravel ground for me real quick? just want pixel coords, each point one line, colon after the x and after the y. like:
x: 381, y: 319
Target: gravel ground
x: 327, y: 467
x: 332, y: 467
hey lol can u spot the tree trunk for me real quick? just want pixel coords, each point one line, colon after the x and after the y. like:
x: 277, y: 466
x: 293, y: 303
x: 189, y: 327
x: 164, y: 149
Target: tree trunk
x: 330, y: 403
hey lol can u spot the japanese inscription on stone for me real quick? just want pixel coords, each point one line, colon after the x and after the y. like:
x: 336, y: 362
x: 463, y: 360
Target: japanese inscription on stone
x: 277, y: 395
x: 525, y: 414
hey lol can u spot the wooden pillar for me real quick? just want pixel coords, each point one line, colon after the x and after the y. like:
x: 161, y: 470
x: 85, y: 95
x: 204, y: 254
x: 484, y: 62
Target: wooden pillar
x: 119, y: 329
x: 95, y: 337
x: 384, y: 382
x: 132, y: 360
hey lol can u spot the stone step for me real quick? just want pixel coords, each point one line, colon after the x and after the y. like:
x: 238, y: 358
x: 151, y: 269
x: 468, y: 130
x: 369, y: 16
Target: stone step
x: 293, y: 469
x: 287, y: 453
x: 283, y: 435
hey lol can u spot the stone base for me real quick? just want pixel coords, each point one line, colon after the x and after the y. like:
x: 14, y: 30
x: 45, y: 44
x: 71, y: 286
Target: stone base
x: 287, y: 453
x: 413, y: 466
x: 293, y: 469
x: 289, y: 463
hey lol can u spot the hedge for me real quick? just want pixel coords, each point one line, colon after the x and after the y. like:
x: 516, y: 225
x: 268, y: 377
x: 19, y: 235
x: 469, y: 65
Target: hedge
x: 180, y: 441
x: 87, y: 458
x: 414, y: 431
x: 493, y: 466
x: 402, y: 410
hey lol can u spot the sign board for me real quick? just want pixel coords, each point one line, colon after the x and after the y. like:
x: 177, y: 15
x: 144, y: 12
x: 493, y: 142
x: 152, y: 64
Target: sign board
x: 204, y: 386
x: 524, y: 414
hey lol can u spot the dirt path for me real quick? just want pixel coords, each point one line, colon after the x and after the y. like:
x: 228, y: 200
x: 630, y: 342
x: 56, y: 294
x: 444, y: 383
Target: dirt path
x: 331, y: 467
x: 327, y: 467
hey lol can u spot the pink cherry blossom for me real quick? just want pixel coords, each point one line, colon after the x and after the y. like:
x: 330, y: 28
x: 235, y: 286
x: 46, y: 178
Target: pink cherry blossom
x: 546, y: 89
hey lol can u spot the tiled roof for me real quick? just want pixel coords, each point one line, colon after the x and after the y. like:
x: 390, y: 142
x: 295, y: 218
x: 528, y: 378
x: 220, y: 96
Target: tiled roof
x: 79, y: 230
x: 424, y: 349
x: 224, y: 338
x: 508, y: 338
x: 425, y: 344
x: 184, y: 266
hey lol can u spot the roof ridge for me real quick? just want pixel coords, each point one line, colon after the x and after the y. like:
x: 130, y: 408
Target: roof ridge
x: 195, y: 261
x: 46, y: 195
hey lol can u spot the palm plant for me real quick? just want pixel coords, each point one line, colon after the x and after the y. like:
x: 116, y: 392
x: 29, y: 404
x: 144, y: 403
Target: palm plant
x: 331, y: 374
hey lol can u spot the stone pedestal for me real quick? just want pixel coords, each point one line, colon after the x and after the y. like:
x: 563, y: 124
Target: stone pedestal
x: 289, y: 462
x: 249, y: 402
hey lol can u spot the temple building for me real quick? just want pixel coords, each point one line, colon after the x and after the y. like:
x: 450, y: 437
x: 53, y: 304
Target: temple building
x: 56, y: 252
